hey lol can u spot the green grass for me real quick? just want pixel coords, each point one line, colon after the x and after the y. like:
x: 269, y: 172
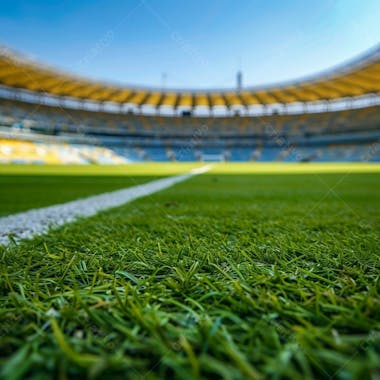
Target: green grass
x: 23, y: 192
x: 139, y: 169
x: 23, y: 187
x: 222, y: 276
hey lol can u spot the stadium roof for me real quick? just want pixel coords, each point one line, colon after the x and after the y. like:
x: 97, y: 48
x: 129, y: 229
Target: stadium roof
x: 358, y: 77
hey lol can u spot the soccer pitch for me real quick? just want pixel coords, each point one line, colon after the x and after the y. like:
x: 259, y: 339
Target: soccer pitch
x: 246, y: 271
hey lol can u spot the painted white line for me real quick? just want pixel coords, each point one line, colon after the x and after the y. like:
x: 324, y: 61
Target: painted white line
x: 26, y: 225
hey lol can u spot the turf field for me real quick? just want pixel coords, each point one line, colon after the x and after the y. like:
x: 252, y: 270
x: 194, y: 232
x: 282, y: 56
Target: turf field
x: 26, y: 186
x: 248, y: 271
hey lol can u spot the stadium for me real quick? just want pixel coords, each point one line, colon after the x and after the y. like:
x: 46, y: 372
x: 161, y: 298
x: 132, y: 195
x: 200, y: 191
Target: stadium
x: 188, y: 233
x: 322, y: 123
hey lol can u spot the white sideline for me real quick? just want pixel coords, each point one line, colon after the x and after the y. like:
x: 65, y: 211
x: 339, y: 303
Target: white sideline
x: 26, y: 225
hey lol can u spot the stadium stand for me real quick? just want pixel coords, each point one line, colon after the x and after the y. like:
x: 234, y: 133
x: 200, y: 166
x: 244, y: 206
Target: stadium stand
x: 115, y: 138
x: 32, y: 131
x: 19, y: 152
x: 356, y: 78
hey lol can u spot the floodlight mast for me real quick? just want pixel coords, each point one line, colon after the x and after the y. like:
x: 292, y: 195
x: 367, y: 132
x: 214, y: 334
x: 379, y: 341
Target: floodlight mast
x: 239, y: 81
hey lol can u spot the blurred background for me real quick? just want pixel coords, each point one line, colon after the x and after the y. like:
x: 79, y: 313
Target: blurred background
x: 118, y: 82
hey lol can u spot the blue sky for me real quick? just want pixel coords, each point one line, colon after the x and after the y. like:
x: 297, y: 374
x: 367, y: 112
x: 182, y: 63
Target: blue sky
x: 197, y: 43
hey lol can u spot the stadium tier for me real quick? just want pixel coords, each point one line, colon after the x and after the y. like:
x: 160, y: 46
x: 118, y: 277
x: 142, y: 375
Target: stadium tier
x: 27, y: 152
x: 61, y: 113
x: 61, y: 135
x: 359, y: 77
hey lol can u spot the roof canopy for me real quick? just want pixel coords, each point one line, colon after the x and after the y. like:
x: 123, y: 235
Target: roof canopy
x: 359, y: 77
